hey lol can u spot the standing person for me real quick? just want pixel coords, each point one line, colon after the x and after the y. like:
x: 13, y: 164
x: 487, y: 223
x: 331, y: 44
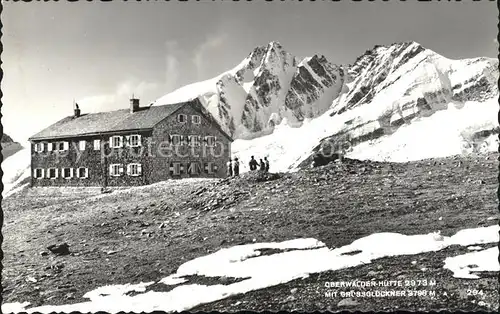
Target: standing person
x: 236, y: 167
x: 253, y: 164
x: 267, y: 164
x: 230, y: 168
x: 262, y: 165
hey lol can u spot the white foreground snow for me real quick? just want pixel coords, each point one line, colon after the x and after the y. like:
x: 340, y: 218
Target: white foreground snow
x: 303, y: 257
x: 463, y: 265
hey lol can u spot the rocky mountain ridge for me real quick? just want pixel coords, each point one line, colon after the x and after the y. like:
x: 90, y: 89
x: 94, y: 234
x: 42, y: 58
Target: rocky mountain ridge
x: 386, y: 89
x: 397, y: 84
x: 269, y: 85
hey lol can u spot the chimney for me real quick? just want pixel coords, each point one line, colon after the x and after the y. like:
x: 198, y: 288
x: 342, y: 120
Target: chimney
x: 134, y: 104
x: 77, y: 111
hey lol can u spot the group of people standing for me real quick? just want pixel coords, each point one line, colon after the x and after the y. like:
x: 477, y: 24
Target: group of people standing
x: 233, y: 167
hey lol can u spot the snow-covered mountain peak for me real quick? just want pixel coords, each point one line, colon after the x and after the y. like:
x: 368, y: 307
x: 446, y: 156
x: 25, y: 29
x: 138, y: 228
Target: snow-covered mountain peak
x: 266, y: 86
x: 387, y: 88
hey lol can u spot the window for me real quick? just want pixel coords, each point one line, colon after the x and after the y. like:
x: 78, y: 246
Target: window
x: 61, y: 146
x: 193, y: 168
x: 196, y: 119
x: 52, y: 173
x: 50, y: 147
x: 115, y: 170
x: 210, y: 140
x: 134, y: 170
x: 208, y: 167
x: 81, y: 145
x: 67, y: 173
x: 181, y: 118
x: 175, y: 168
x: 116, y: 141
x: 175, y: 139
x: 39, y: 147
x: 82, y: 173
x: 194, y: 140
x: 97, y: 144
x: 38, y: 173
x: 184, y: 139
x: 134, y: 140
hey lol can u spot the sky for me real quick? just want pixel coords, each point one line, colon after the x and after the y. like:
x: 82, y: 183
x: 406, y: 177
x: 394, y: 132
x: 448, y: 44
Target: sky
x: 100, y: 53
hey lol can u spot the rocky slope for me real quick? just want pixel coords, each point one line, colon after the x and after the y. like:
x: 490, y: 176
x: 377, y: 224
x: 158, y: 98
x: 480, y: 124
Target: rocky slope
x: 269, y: 85
x: 146, y: 233
x: 398, y: 102
x: 9, y: 146
x: 379, y: 104
x: 406, y: 81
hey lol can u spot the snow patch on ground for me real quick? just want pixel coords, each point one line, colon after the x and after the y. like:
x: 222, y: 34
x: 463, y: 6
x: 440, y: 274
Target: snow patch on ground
x: 301, y: 258
x: 474, y: 248
x: 14, y: 307
x: 116, y: 290
x: 463, y: 265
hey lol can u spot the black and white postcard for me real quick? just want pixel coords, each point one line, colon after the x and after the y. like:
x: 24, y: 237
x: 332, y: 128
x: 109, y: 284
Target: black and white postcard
x: 250, y: 156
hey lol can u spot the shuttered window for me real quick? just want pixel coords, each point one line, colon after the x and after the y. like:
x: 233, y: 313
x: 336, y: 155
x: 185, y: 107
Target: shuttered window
x: 134, y: 170
x: 52, y: 173
x: 82, y: 173
x: 133, y: 140
x: 67, y: 173
x: 115, y: 170
x: 175, y: 139
x: 194, y: 140
x: 193, y: 168
x: 181, y: 118
x: 62, y: 146
x: 116, y: 141
x: 39, y: 147
x: 81, y: 145
x: 210, y: 140
x: 196, y: 119
x: 208, y: 167
x: 97, y: 144
x: 38, y: 173
x: 175, y: 168
x: 50, y: 147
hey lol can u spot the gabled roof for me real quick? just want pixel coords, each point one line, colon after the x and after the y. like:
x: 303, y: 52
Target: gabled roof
x: 115, y: 121
x: 107, y: 122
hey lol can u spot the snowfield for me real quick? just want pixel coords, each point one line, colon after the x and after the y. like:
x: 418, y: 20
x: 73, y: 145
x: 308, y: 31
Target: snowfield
x: 301, y: 258
x: 446, y: 133
x: 15, y: 169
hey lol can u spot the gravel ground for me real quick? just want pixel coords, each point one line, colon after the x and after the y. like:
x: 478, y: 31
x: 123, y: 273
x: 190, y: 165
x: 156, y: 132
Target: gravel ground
x: 146, y: 233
